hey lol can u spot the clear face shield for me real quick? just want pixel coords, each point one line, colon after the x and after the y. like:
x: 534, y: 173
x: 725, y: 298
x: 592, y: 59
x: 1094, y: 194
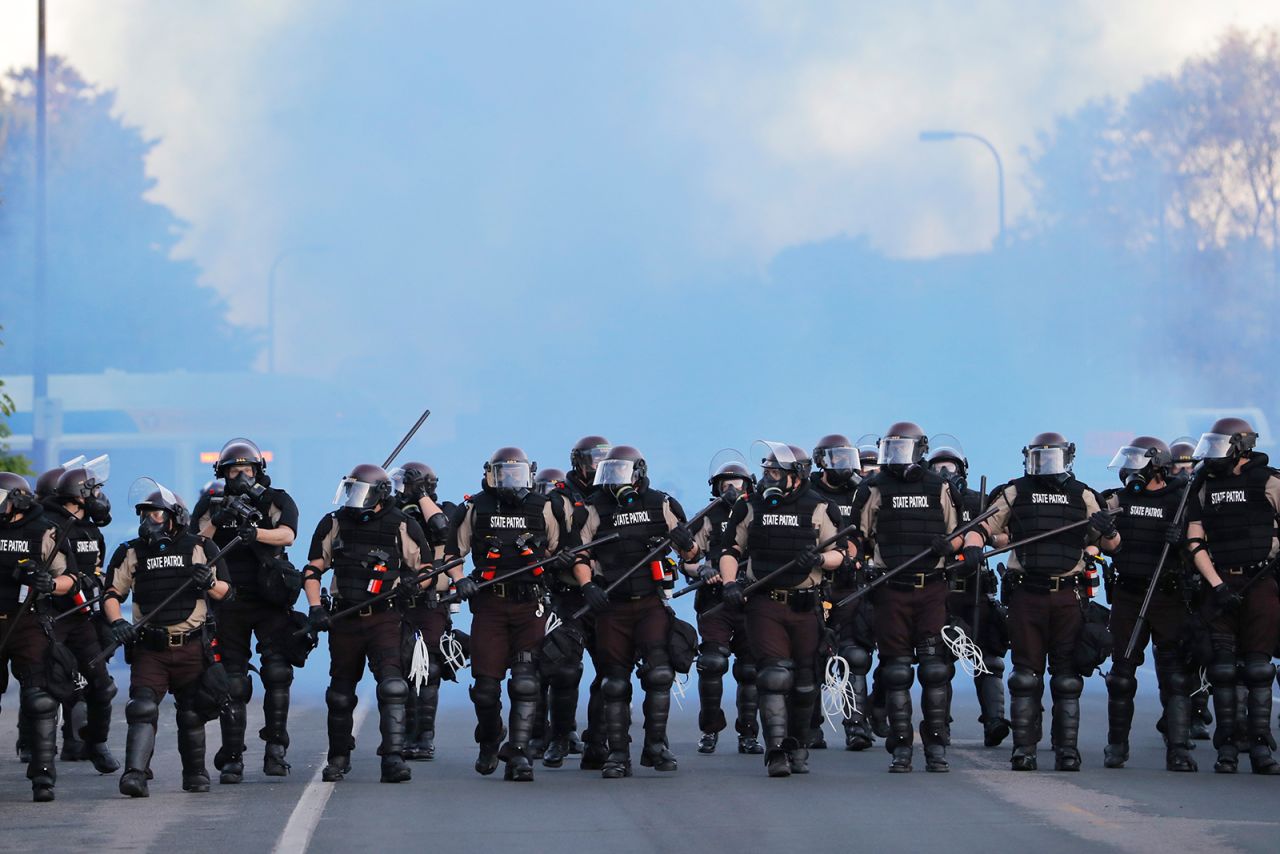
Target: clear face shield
x: 356, y: 493
x: 613, y: 473
x: 145, y: 490
x: 896, y: 451
x: 1047, y: 461
x: 777, y: 464
x: 1213, y: 446
x: 510, y: 475
x: 97, y: 470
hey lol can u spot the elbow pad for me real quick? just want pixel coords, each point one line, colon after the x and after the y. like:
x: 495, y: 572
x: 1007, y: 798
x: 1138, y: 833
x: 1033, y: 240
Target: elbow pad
x: 437, y: 529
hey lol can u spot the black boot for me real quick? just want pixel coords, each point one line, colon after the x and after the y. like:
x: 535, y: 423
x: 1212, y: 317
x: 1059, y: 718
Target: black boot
x: 897, y: 675
x: 936, y: 673
x: 524, y: 688
x: 428, y: 700
x: 857, y: 727
x: 42, y: 711
x: 707, y: 742
x: 801, y: 706
x: 1066, y: 689
x: 341, y: 701
x: 75, y: 718
x: 141, y: 715
x: 486, y: 694
x: 990, y: 689
x: 229, y: 760
x: 393, y: 691
x: 1025, y: 691
x: 773, y: 711
x: 98, y: 696
x: 1122, y: 685
x: 1177, y: 715
x: 1201, y: 717
x: 562, y: 707
x: 277, y: 677
x: 657, y: 709
x: 191, y: 748
x: 615, y: 691
x: 1258, y: 675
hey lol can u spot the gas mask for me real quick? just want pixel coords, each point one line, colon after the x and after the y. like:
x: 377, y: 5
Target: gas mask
x: 98, y: 508
x: 1135, y: 480
x: 774, y: 486
x: 154, y: 532
x: 1220, y: 466
x: 730, y: 494
x: 246, y: 485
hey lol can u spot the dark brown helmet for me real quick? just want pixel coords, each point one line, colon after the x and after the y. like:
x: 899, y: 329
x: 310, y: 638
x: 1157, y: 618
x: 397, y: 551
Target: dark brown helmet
x: 47, y: 482
x: 1049, y: 454
x: 904, y: 443
x: 146, y: 495
x: 15, y: 494
x: 548, y: 480
x: 239, y: 452
x: 803, y: 459
x: 420, y: 476
x: 1228, y: 440
x: 364, y: 488
x: 627, y: 453
x: 1182, y: 450
x: 1141, y: 460
x: 729, y: 471
x: 587, y: 453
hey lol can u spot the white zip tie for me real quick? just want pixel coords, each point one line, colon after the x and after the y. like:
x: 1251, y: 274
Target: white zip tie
x: 553, y: 622
x: 453, y: 653
x: 678, y: 689
x: 966, y: 651
x: 79, y: 681
x: 1204, y: 683
x: 419, y: 666
x: 838, y: 700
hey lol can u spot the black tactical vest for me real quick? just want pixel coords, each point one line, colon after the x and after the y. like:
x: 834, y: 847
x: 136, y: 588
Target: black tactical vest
x: 1239, y: 522
x: 637, y: 523
x: 1142, y: 525
x: 161, y: 569
x: 840, y: 497
x: 87, y: 547
x: 19, y: 542
x: 1040, y: 506
x: 910, y: 516
x: 356, y: 567
x: 778, y: 532
x: 504, y: 537
x: 245, y: 560
x: 970, y: 505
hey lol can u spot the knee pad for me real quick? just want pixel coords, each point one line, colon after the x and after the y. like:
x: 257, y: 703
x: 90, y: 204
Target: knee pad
x: 486, y: 693
x: 776, y: 675
x: 142, y: 707
x: 189, y: 719
x: 1024, y: 683
x: 805, y: 682
x: 1222, y: 670
x: 657, y: 676
x: 744, y: 672
x: 37, y: 702
x: 569, y: 673
x: 935, y: 670
x: 896, y: 674
x: 240, y: 687
x: 103, y: 691
x: 1120, y: 681
x: 859, y: 658
x: 276, y: 672
x: 713, y: 659
x: 615, y: 684
x: 393, y: 690
x: 524, y: 682
x: 340, y: 699
x: 1258, y: 671
x: 995, y: 664
x: 1066, y: 685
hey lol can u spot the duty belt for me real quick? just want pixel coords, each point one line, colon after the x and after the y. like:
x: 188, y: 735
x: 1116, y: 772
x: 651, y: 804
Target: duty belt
x: 802, y: 598
x: 1248, y: 569
x: 915, y: 580
x: 158, y: 638
x: 1134, y: 584
x: 515, y: 591
x: 368, y: 610
x: 1050, y: 584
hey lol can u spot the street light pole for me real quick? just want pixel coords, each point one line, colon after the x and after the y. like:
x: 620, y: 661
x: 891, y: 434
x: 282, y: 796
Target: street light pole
x: 39, y: 364
x: 947, y: 135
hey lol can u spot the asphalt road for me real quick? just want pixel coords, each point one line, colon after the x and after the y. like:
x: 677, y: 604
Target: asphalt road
x: 720, y: 802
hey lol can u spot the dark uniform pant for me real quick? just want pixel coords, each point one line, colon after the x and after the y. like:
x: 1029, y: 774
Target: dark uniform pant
x: 632, y: 631
x: 354, y: 640
x: 152, y: 674
x: 1163, y: 627
x: 784, y: 637
x: 431, y: 621
x: 81, y: 637
x: 962, y: 603
x: 724, y: 633
x: 908, y: 629
x: 562, y: 685
x: 238, y: 622
x: 1244, y: 640
x: 506, y: 631
x: 24, y: 652
x: 1044, y: 627
x: 854, y: 626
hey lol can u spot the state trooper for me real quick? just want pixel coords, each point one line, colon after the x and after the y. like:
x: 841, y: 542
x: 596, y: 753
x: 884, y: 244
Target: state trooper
x: 633, y: 623
x: 1148, y: 505
x: 170, y: 653
x: 1045, y: 601
x: 506, y: 526
x: 265, y: 518
x: 372, y: 547
x: 783, y: 525
x: 1231, y: 536
x: 724, y: 632
x: 31, y: 564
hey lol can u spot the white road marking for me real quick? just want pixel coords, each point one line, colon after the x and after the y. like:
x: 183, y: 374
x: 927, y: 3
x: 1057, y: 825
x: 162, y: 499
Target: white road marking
x: 297, y: 833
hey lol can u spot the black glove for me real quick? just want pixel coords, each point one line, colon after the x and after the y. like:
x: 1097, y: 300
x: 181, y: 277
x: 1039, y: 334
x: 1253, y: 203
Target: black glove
x: 733, y: 594
x: 203, y: 576
x: 809, y: 558
x: 846, y: 573
x: 707, y: 572
x: 1226, y: 599
x: 941, y: 546
x: 407, y: 590
x: 466, y: 588
x: 42, y: 581
x: 563, y: 562
x: 681, y: 538
x: 123, y: 632
x: 318, y: 618
x: 1173, y: 535
x: 1104, y: 523
x: 248, y: 534
x: 223, y: 517
x: 972, y: 562
x: 597, y: 600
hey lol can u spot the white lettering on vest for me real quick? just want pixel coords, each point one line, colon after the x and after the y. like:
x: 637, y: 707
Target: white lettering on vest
x: 1234, y: 496
x: 165, y: 561
x: 640, y: 517
x: 790, y: 520
x: 910, y: 502
x: 87, y: 546
x: 1049, y: 498
x: 508, y: 522
x: 1143, y: 510
x: 20, y: 546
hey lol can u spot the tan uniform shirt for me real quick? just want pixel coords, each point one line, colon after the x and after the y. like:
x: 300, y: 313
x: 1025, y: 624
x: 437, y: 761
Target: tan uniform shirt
x: 410, y: 552
x: 122, y: 578
x: 998, y: 523
x: 824, y: 529
x: 871, y: 512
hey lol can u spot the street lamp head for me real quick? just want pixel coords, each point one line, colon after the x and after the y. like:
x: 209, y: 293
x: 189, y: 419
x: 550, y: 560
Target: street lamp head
x: 937, y: 135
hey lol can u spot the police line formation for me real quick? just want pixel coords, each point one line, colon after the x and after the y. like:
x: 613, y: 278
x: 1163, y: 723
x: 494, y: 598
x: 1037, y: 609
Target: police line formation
x: 798, y: 575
